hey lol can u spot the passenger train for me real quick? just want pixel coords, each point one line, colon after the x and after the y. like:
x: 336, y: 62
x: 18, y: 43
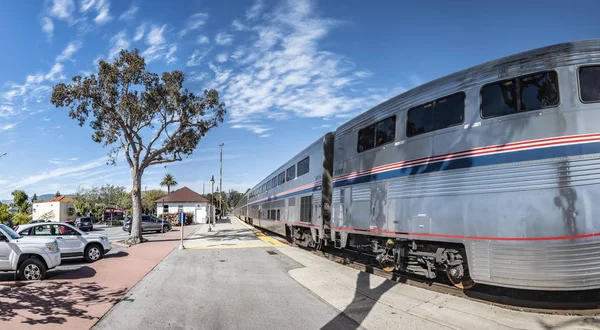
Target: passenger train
x: 488, y: 175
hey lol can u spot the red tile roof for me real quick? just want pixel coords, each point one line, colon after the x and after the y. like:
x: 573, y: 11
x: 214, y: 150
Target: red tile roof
x: 183, y: 195
x: 64, y: 199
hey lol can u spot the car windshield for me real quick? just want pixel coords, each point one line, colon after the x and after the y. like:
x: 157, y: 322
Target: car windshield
x: 10, y: 232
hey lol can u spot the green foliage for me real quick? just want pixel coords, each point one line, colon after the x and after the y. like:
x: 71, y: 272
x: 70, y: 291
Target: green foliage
x: 5, y: 216
x: 117, y: 223
x: 21, y: 219
x: 21, y: 200
x: 34, y: 198
x: 168, y: 181
x: 57, y: 194
x: 149, y: 198
x: 233, y: 198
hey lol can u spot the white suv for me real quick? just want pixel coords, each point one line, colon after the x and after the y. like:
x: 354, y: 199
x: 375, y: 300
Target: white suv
x: 30, y: 257
x: 71, y: 241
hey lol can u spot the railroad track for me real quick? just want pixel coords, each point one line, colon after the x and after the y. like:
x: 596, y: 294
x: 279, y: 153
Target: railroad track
x: 583, y: 303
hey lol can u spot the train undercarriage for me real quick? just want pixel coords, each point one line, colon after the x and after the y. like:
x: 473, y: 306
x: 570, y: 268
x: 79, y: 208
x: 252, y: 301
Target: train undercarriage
x: 428, y: 259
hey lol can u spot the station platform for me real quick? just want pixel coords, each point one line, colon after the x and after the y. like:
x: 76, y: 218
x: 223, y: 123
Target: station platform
x: 235, y: 277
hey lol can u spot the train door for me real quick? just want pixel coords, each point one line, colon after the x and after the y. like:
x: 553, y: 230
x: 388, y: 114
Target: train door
x: 360, y: 206
x: 317, y: 217
x: 379, y: 206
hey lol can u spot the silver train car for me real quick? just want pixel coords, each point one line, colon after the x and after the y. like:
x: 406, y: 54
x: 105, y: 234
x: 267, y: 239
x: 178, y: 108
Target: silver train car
x: 290, y: 200
x: 488, y: 175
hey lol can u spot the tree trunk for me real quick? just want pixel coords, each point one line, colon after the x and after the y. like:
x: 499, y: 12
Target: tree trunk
x: 136, y: 223
x: 168, y: 189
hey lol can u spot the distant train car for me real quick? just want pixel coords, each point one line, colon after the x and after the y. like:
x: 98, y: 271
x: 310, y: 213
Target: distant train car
x: 488, y: 175
x: 290, y: 200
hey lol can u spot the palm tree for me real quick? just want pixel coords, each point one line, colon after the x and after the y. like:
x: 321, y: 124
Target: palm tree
x: 168, y: 181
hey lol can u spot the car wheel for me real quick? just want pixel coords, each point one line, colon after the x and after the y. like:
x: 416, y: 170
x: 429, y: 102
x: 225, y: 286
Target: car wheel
x: 32, y: 269
x: 165, y: 229
x: 93, y: 252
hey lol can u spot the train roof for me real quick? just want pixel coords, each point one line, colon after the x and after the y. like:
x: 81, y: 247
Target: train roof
x: 564, y: 54
x: 287, y: 164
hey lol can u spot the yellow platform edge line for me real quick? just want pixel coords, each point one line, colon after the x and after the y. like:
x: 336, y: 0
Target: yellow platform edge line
x: 199, y: 247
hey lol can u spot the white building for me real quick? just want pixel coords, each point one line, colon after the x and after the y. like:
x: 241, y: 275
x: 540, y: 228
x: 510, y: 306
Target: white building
x: 184, y: 200
x: 57, y: 209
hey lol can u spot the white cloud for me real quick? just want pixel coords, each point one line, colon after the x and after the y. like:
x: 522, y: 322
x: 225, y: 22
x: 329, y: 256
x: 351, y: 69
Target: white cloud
x: 130, y: 13
x: 62, y: 9
x: 59, y: 172
x: 103, y: 7
x: 158, y: 48
x: 66, y: 54
x: 282, y: 72
x: 256, y: 9
x: 239, y: 26
x: 203, y: 40
x: 196, y: 76
x: 194, y: 22
x: 222, y: 58
x: 7, y: 127
x: 86, y: 5
x: 46, y: 119
x: 258, y: 129
x: 322, y: 126
x: 73, y: 159
x: 55, y: 73
x: 139, y: 32
x: 169, y: 56
x: 224, y: 38
x: 117, y: 42
x: 196, y: 57
x: 47, y: 26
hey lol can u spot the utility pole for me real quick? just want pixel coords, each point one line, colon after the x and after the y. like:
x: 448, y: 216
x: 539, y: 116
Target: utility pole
x: 221, y: 180
x: 212, y: 205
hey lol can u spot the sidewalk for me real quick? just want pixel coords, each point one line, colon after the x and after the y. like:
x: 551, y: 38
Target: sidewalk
x: 78, y: 299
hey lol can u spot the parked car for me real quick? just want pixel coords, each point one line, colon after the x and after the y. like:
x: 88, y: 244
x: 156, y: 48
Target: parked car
x: 30, y: 257
x: 84, y: 223
x: 72, y: 241
x: 149, y: 223
x: 37, y: 221
x: 70, y: 222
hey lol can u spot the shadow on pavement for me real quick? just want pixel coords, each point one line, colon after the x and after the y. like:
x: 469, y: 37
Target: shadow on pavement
x: 364, y: 300
x: 591, y: 322
x: 52, y: 302
x: 83, y: 272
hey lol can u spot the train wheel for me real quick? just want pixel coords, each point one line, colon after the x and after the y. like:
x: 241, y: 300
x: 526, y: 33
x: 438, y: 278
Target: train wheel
x: 388, y: 266
x: 459, y: 279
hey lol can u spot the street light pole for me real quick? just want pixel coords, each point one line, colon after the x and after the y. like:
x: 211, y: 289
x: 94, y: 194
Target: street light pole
x: 212, y: 205
x: 221, y: 180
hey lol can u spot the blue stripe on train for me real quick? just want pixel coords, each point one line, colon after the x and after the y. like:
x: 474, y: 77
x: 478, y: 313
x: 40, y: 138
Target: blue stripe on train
x: 303, y: 191
x: 494, y: 159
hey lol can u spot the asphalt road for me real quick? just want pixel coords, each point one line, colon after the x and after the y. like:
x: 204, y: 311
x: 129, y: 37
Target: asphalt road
x: 114, y: 234
x: 231, y: 282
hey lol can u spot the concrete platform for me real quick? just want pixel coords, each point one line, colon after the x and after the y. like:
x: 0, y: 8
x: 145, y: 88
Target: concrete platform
x: 238, y: 278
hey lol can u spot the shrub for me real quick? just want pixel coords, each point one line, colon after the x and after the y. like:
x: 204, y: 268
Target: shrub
x: 21, y: 219
x: 173, y: 218
x: 116, y: 223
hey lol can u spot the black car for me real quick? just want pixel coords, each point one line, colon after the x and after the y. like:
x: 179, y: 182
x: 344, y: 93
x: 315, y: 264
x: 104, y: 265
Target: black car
x: 84, y: 224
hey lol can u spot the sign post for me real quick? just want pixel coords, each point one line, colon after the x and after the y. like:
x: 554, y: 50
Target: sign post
x: 182, y: 220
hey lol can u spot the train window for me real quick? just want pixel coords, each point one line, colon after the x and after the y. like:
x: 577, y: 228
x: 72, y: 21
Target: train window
x: 290, y: 173
x: 530, y: 92
x: 449, y: 111
x: 420, y: 120
x: 385, y: 131
x: 278, y: 214
x: 499, y: 99
x: 538, y: 91
x: 380, y: 133
x: 281, y: 178
x: 589, y: 83
x: 274, y: 182
x: 366, y: 138
x: 303, y: 166
x: 305, y: 208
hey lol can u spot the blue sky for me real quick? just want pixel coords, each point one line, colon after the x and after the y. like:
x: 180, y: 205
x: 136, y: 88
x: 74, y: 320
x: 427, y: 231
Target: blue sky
x: 287, y: 71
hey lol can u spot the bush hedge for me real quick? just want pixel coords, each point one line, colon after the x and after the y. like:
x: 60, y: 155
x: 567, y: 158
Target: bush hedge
x: 173, y: 218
